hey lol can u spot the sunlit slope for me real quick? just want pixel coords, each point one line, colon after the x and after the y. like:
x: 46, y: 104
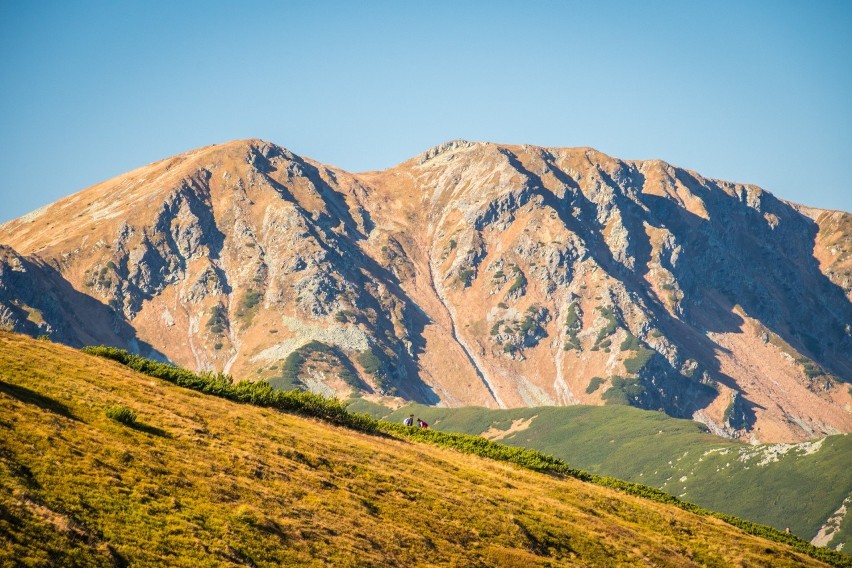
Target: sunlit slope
x: 202, y: 481
x: 800, y: 486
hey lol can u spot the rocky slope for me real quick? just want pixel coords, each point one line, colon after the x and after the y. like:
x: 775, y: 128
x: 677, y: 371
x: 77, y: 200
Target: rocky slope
x: 473, y: 274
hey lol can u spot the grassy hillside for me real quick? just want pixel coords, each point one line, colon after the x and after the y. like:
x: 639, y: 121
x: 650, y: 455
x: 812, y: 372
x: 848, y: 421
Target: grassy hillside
x: 799, y: 486
x: 197, y: 480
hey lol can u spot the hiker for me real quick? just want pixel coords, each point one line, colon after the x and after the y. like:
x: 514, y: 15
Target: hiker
x: 422, y: 424
x: 409, y: 421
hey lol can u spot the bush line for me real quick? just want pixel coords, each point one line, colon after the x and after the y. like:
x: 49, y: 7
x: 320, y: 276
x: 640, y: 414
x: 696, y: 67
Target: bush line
x: 258, y: 393
x: 334, y: 411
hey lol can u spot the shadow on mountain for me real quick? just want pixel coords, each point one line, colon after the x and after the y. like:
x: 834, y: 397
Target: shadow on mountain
x: 770, y: 273
x: 663, y: 386
x: 69, y: 316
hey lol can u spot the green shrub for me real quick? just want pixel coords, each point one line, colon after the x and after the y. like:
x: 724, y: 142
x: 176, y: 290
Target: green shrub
x: 528, y: 324
x: 573, y: 318
x: 609, y: 326
x: 218, y: 319
x: 121, y: 414
x: 636, y: 363
x: 519, y: 284
x: 369, y: 361
x: 466, y: 276
x: 631, y: 343
x: 594, y: 384
x: 252, y: 298
x: 624, y: 391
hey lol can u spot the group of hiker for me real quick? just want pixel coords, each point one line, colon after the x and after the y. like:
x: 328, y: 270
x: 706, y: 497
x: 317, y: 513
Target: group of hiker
x: 409, y: 421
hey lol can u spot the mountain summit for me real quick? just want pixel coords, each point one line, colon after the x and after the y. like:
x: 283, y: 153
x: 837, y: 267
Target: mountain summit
x: 472, y: 274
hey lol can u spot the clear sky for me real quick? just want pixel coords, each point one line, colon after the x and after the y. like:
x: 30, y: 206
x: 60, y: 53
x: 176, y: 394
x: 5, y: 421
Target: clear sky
x: 748, y: 91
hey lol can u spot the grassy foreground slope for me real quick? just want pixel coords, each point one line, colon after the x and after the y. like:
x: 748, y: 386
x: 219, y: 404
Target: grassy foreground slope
x: 201, y: 481
x: 798, y: 486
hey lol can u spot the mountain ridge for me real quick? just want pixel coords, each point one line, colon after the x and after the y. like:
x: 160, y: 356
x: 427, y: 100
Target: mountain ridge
x: 472, y: 273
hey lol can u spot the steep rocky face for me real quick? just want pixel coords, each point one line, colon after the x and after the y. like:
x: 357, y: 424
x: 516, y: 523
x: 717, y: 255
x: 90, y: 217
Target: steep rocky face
x: 471, y: 274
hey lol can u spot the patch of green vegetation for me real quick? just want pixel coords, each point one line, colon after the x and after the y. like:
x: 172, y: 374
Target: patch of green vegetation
x: 594, y: 384
x: 624, y: 391
x: 631, y: 343
x: 503, y: 305
x: 572, y: 319
x: 453, y: 244
x: 638, y: 361
x: 369, y: 362
x: 218, y: 319
x: 466, y: 276
x: 121, y: 413
x: 812, y: 370
x: 251, y: 299
x: 610, y: 324
x: 529, y: 324
x: 519, y: 284
x: 524, y: 333
x: 573, y: 326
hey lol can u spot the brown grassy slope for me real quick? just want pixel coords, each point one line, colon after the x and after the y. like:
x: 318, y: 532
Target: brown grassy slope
x: 201, y: 481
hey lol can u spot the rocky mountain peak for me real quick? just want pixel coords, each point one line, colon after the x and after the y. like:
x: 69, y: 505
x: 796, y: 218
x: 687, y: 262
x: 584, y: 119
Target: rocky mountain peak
x: 474, y: 273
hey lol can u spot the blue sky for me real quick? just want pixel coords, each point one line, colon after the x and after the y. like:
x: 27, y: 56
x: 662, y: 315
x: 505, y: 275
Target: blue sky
x: 753, y: 92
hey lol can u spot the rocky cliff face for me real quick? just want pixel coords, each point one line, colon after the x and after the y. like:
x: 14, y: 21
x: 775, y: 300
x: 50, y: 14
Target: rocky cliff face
x: 471, y: 274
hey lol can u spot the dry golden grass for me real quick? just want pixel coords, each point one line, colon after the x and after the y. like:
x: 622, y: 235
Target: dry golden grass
x: 200, y: 481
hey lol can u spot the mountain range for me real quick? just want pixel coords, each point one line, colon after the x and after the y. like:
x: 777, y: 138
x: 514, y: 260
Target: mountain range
x: 474, y: 274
